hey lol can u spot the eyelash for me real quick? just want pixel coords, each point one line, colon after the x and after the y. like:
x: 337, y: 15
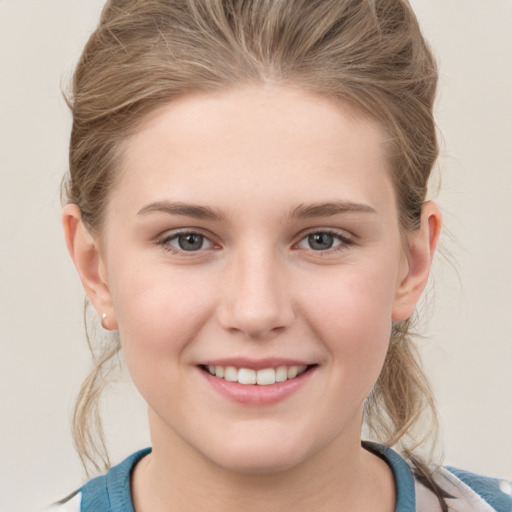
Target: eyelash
x: 344, y: 242
x: 166, y: 246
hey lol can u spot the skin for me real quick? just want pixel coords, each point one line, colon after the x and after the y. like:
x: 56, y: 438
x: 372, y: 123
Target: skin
x: 255, y: 157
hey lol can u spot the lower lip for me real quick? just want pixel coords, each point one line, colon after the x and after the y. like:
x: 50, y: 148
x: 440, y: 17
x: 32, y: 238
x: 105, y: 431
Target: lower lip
x: 255, y: 394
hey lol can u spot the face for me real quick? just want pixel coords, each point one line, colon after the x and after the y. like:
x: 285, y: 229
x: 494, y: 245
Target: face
x: 253, y: 235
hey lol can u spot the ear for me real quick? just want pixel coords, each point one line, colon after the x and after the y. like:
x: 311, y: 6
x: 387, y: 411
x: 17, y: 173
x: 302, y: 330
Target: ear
x: 422, y: 244
x: 85, y: 253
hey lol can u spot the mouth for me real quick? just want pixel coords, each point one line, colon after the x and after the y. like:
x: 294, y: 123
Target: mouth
x: 251, y: 377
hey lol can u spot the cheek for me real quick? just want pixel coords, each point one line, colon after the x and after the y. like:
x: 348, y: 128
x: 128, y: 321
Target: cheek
x: 351, y: 313
x: 158, y: 312
x: 158, y: 320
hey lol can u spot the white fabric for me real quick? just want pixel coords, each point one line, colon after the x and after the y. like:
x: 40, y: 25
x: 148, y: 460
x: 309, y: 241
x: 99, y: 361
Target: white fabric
x: 464, y: 498
x: 469, y: 500
x: 426, y: 500
x: 71, y: 506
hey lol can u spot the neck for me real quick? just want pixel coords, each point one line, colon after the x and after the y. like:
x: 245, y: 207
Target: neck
x: 343, y: 476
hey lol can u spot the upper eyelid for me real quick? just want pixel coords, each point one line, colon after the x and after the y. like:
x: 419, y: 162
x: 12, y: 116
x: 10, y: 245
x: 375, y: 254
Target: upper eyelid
x: 342, y: 243
x: 341, y: 233
x: 164, y: 242
x: 173, y: 233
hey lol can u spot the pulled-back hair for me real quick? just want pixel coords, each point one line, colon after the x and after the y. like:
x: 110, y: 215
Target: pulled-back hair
x: 369, y: 54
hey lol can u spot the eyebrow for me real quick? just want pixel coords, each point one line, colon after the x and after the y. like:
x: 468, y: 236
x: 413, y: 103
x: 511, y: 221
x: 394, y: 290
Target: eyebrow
x: 302, y: 211
x: 330, y: 209
x: 187, y: 210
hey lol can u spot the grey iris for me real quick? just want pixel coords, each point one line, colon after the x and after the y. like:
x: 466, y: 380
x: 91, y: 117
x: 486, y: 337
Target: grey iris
x: 320, y: 241
x: 190, y: 242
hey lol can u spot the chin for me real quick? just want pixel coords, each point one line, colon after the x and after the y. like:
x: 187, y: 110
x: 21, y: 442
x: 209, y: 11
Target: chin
x: 262, y: 465
x: 260, y: 457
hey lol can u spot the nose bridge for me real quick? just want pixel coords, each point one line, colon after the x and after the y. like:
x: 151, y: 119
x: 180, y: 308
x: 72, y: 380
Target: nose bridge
x: 256, y: 299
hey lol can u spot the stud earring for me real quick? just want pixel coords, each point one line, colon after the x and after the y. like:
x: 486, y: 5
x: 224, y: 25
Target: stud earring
x: 103, y: 320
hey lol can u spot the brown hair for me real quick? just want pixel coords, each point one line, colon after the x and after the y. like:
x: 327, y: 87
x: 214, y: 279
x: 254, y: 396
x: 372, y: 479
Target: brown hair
x: 369, y: 53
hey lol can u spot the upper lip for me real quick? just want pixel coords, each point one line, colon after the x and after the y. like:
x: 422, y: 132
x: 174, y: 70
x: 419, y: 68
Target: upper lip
x: 255, y: 364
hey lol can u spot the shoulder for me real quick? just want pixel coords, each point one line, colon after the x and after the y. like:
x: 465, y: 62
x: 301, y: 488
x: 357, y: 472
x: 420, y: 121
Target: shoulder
x: 475, y: 492
x: 106, y: 493
x: 463, y: 491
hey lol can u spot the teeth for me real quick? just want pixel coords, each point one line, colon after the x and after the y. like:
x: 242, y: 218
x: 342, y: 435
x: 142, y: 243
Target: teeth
x: 281, y: 374
x: 292, y: 372
x: 231, y: 374
x: 266, y: 377
x: 263, y: 377
x: 246, y: 376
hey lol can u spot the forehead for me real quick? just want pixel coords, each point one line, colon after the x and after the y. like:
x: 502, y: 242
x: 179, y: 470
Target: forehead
x: 280, y: 143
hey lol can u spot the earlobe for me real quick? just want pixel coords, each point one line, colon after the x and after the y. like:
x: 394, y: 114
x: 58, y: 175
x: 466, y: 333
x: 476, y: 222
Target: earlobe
x: 84, y: 251
x: 422, y: 244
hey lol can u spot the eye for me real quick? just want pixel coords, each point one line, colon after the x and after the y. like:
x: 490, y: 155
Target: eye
x: 186, y: 242
x: 323, y: 241
x: 190, y: 241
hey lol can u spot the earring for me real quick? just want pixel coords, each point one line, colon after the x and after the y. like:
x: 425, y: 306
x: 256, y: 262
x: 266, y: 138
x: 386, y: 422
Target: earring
x: 103, y: 318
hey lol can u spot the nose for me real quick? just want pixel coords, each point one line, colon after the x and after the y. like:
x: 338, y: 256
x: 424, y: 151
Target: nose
x: 256, y: 297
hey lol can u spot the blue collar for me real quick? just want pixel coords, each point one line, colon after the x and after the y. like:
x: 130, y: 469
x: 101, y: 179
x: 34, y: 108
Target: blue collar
x: 404, y: 480
x: 111, y: 492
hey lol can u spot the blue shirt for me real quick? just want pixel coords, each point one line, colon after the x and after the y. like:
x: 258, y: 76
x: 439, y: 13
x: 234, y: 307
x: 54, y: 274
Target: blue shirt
x: 468, y: 492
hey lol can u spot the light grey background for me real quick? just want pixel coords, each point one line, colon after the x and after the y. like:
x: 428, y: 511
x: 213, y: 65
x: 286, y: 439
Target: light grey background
x: 468, y: 350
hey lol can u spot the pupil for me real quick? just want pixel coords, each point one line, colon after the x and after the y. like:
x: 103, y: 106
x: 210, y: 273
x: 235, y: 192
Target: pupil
x: 190, y: 242
x: 321, y: 241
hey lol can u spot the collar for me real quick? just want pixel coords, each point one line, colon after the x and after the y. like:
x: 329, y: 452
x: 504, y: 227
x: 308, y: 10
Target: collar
x: 111, y: 492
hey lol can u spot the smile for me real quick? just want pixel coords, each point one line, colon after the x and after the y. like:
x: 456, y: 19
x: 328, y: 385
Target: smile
x: 264, y: 377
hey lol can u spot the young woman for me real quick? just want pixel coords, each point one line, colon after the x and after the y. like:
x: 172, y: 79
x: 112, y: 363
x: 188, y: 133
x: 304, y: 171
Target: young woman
x: 246, y: 208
